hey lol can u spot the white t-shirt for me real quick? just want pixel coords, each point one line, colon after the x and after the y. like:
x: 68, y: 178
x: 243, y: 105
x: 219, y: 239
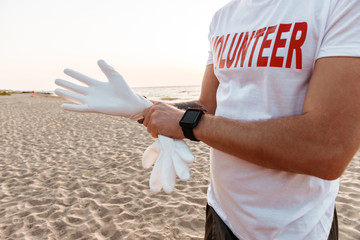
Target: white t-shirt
x: 264, y: 53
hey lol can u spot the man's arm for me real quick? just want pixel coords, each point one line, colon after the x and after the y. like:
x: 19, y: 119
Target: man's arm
x: 320, y: 142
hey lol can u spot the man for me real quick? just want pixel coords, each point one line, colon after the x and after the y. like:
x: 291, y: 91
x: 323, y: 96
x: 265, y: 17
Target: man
x: 280, y: 93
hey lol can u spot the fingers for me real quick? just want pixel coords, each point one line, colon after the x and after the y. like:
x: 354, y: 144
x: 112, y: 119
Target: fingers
x: 184, y: 151
x: 155, y: 177
x: 168, y: 173
x: 181, y: 168
x: 149, y: 158
x: 169, y: 163
x: 151, y: 154
x: 75, y: 108
x: 81, y: 77
x: 163, y: 119
x: 73, y: 97
x: 153, y: 131
x: 147, y: 122
x: 71, y: 86
x: 146, y: 116
x: 110, y: 72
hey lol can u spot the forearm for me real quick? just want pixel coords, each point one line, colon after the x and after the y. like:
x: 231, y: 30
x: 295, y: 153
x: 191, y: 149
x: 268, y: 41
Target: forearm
x: 197, y: 104
x: 320, y: 142
x: 293, y: 144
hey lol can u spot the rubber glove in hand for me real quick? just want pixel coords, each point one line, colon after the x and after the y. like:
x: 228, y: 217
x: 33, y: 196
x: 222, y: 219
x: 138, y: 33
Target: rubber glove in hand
x: 114, y: 97
x: 171, y: 158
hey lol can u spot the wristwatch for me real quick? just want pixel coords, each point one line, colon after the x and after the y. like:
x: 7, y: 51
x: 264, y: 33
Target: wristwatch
x: 189, y: 121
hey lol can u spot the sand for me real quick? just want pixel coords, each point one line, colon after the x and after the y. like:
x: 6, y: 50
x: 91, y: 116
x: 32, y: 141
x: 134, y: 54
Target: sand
x: 68, y: 175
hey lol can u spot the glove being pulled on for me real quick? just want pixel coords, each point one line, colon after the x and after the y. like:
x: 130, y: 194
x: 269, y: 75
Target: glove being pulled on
x: 116, y: 98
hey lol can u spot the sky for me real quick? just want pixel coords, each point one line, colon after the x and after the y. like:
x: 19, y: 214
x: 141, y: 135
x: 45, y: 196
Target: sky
x: 149, y: 42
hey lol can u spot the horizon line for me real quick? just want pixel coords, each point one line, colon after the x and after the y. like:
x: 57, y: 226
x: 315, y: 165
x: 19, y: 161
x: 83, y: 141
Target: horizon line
x: 44, y: 91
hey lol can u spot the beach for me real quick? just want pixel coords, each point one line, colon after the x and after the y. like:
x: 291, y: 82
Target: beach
x: 68, y: 175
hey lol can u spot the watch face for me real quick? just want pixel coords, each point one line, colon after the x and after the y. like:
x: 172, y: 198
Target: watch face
x: 190, y: 117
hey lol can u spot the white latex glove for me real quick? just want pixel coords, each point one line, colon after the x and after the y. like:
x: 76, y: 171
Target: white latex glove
x: 116, y: 98
x: 171, y: 157
x: 113, y: 97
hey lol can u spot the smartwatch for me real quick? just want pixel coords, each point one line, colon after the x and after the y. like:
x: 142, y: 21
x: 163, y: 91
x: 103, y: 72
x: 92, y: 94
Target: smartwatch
x: 189, y: 121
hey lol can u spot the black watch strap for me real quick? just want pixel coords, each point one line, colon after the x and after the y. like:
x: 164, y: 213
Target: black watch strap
x: 188, y: 133
x: 189, y: 121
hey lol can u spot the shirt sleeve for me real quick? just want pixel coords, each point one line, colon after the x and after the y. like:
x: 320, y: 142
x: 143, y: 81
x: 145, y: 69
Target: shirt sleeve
x: 342, y: 33
x: 210, y: 59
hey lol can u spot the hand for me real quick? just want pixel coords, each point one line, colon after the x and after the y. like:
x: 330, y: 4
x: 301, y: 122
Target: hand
x: 163, y: 119
x: 170, y: 157
x: 113, y: 97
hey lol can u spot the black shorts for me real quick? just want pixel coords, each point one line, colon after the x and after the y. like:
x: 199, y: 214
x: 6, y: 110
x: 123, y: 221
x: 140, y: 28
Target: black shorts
x: 216, y: 229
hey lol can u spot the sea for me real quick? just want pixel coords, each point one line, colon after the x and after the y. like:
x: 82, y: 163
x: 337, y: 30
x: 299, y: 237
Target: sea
x: 168, y: 94
x: 177, y: 93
